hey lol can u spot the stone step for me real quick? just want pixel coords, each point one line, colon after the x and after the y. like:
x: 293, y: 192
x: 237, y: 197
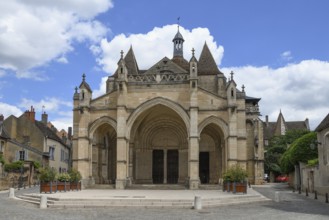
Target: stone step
x: 157, y: 186
x: 102, y: 186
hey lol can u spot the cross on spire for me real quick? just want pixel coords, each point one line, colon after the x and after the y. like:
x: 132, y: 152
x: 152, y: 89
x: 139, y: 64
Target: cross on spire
x: 178, y: 22
x: 193, y: 52
x: 121, y: 54
x: 243, y: 88
x: 83, y: 77
x: 232, y: 75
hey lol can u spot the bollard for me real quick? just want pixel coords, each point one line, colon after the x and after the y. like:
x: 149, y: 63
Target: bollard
x: 277, y: 197
x: 315, y: 194
x: 326, y: 197
x: 11, y: 193
x: 43, y: 202
x: 306, y: 191
x: 197, y: 203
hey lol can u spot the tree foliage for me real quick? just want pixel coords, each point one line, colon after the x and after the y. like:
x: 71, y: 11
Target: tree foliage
x: 277, y: 147
x: 299, y: 151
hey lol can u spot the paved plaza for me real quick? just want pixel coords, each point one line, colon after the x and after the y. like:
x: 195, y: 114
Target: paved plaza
x: 291, y: 206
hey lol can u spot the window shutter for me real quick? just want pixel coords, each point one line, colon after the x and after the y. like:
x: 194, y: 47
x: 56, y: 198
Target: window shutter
x: 17, y: 156
x: 26, y: 155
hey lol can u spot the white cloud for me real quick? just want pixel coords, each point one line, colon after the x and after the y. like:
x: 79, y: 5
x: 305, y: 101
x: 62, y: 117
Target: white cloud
x: 7, y: 110
x: 300, y: 90
x: 35, y: 32
x: 62, y: 60
x: 286, y: 55
x: 154, y: 45
x: 50, y: 105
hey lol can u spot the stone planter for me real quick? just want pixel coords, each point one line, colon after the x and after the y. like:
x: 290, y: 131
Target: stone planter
x: 63, y: 186
x: 240, y: 187
x: 46, y: 187
x: 227, y: 186
x: 75, y: 185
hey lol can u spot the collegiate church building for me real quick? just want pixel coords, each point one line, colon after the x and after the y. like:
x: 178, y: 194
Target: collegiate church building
x: 178, y: 122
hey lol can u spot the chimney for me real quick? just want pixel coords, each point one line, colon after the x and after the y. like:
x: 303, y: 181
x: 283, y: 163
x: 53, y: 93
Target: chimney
x: 1, y: 117
x: 44, y: 118
x: 69, y: 135
x: 266, y: 120
x: 30, y: 114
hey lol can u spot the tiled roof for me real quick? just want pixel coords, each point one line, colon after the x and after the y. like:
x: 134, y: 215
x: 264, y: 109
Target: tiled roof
x: 131, y: 63
x: 273, y: 128
x: 180, y: 61
x: 165, y: 65
x: 207, y: 64
x: 324, y: 124
x: 47, y: 132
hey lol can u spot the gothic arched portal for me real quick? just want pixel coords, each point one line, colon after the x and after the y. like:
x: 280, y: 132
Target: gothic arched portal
x: 104, y: 152
x: 159, y: 147
x: 211, y: 155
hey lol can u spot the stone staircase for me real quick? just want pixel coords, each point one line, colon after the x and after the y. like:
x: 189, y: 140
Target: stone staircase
x: 139, y: 201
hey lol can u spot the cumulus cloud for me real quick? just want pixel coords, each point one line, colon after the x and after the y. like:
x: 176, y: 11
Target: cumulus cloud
x: 35, y: 32
x: 300, y: 90
x: 49, y: 104
x: 7, y: 110
x: 154, y: 45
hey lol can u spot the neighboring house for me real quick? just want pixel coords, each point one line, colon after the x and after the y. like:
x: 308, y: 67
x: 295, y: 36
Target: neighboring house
x: 322, y: 175
x: 177, y: 122
x: 281, y: 126
x: 4, y: 137
x: 31, y: 139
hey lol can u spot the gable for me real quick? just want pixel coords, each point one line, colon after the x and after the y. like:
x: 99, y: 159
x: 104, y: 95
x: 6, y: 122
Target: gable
x: 165, y: 65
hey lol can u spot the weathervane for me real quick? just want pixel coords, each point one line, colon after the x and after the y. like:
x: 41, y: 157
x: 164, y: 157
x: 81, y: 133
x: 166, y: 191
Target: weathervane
x: 178, y: 22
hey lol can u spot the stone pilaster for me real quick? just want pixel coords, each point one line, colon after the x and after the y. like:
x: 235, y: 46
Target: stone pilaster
x: 193, y: 153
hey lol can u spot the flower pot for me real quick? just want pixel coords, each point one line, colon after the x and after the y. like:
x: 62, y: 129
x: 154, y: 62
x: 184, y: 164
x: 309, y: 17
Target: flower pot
x: 63, y: 186
x: 75, y: 185
x: 240, y: 187
x: 46, y: 187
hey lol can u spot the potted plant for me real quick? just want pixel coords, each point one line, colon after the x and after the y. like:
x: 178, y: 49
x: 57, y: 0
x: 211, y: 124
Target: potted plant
x: 75, y: 177
x: 237, y: 175
x: 63, y: 182
x: 227, y: 179
x: 47, y: 177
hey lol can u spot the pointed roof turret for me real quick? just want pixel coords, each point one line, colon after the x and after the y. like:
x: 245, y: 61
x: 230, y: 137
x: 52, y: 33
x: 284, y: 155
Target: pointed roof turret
x: 178, y: 44
x: 207, y: 64
x: 131, y: 62
x: 84, y: 83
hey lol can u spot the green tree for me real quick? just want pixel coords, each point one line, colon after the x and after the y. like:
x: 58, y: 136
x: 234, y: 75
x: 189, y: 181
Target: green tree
x: 277, y: 147
x: 299, y: 151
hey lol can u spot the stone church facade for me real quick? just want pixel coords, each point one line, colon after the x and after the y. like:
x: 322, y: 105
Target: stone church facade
x: 178, y: 122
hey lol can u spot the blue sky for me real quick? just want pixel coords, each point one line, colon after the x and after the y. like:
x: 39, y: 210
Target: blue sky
x: 278, y: 49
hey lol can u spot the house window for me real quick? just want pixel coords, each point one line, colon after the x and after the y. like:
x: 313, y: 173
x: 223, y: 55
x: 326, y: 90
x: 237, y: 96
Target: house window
x: 51, y: 153
x: 21, y: 155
